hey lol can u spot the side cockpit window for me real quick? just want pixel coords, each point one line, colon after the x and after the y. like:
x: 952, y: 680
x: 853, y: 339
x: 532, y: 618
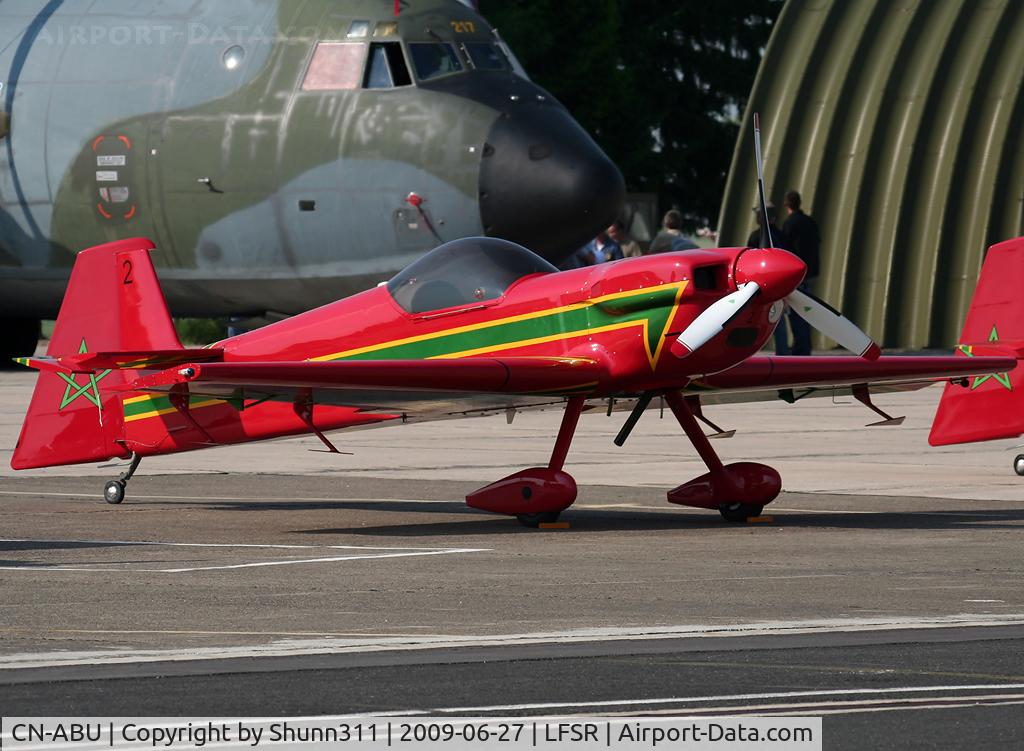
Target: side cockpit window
x: 386, y: 68
x: 350, y: 65
x: 335, y: 65
x: 432, y: 60
x: 466, y: 272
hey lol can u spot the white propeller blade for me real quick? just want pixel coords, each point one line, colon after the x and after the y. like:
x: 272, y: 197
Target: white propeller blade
x: 833, y: 324
x: 714, y: 318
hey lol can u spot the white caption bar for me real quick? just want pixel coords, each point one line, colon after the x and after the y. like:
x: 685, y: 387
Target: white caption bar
x: 453, y: 734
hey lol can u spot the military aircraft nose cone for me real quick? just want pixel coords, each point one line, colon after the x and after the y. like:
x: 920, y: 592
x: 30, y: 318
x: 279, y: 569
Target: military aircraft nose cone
x: 545, y: 184
x: 778, y: 272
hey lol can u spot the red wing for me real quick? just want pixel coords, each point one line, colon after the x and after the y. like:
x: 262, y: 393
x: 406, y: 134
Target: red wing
x: 769, y: 373
x: 526, y: 375
x: 560, y: 375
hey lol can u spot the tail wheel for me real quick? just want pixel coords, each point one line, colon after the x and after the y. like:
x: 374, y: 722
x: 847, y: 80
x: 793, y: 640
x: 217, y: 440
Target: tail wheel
x: 1018, y: 465
x: 738, y: 513
x: 113, y: 492
x: 535, y: 520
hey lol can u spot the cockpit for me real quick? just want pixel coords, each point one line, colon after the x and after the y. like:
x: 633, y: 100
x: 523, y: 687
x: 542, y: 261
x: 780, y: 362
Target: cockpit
x: 372, y: 56
x: 473, y: 270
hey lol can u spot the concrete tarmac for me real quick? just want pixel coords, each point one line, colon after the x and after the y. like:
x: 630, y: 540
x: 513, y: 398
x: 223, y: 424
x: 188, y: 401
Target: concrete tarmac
x: 270, y: 571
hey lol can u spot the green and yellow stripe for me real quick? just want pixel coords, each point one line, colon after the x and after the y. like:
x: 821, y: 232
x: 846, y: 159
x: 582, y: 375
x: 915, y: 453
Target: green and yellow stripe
x: 153, y: 405
x: 650, y: 310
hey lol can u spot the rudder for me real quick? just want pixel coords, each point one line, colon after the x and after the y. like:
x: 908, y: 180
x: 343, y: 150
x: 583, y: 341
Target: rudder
x: 989, y: 407
x: 113, y: 303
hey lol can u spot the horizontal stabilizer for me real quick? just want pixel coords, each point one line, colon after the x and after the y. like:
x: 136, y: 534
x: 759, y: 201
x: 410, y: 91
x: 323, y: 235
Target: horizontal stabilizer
x: 138, y: 360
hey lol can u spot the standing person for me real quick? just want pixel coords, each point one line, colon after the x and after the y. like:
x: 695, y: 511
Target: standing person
x: 602, y: 248
x: 779, y: 240
x: 804, y: 239
x: 579, y: 259
x: 778, y: 236
x: 630, y: 247
x: 671, y: 235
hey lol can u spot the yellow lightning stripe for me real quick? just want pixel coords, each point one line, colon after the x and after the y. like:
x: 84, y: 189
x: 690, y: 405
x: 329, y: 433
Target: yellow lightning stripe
x: 515, y: 319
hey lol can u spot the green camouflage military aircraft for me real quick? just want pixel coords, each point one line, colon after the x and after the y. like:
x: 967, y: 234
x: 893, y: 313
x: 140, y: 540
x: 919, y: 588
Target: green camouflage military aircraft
x: 281, y: 153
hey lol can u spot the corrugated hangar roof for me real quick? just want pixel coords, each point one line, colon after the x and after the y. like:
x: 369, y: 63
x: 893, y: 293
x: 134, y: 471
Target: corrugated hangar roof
x: 900, y: 123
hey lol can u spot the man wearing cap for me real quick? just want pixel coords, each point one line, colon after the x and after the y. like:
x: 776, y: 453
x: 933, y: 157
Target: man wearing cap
x: 801, y: 329
x: 804, y: 240
x: 778, y: 237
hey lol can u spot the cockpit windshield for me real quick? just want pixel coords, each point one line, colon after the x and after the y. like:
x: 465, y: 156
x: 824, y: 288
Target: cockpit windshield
x: 485, y: 56
x: 463, y: 272
x: 432, y: 60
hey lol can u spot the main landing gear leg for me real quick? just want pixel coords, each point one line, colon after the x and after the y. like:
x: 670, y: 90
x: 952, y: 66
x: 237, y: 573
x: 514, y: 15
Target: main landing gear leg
x: 739, y: 491
x: 113, y: 491
x: 536, y: 496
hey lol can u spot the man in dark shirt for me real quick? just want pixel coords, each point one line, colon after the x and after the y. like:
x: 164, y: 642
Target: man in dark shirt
x: 778, y: 236
x: 802, y: 233
x: 671, y: 236
x: 804, y: 240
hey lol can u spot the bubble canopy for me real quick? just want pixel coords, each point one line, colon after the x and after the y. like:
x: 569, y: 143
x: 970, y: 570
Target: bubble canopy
x: 463, y: 272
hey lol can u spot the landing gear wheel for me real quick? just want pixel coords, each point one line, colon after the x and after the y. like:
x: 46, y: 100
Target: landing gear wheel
x: 738, y: 513
x: 113, y: 492
x: 535, y: 520
x: 1018, y: 464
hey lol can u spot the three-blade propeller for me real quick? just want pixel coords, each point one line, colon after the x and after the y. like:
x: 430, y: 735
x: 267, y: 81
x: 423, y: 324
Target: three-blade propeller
x: 776, y: 274
x: 817, y: 313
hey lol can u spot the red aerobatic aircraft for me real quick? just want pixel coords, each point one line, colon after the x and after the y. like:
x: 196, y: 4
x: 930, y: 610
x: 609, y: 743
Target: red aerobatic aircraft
x: 477, y: 326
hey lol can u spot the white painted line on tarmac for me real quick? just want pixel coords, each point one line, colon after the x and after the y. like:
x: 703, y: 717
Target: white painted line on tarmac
x: 966, y: 702
x: 249, y: 499
x: 838, y: 707
x: 328, y: 646
x: 193, y: 632
x: 470, y: 711
x: 206, y: 544
x: 384, y: 552
x: 323, y: 560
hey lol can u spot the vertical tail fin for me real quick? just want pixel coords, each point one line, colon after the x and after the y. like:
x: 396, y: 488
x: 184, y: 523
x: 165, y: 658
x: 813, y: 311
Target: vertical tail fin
x: 989, y: 407
x: 113, y: 303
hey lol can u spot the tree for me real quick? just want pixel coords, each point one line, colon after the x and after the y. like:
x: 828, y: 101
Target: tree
x: 660, y: 86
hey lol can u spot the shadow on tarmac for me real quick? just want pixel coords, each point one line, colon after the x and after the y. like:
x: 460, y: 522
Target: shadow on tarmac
x: 596, y: 521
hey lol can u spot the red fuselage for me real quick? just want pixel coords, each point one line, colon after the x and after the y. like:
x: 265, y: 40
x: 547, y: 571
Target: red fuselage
x: 623, y: 314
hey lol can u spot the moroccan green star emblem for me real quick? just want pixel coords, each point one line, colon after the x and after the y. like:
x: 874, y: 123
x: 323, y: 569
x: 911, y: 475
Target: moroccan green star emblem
x: 89, y: 390
x: 1001, y: 378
